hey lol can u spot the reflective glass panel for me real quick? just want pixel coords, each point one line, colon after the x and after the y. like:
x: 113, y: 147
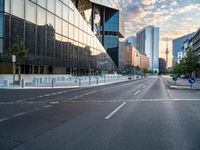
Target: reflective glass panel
x: 50, y: 19
x: 30, y: 12
x: 7, y: 6
x: 17, y: 8
x: 1, y: 46
x: 58, y: 25
x: 1, y: 25
x: 41, y: 16
x: 65, y: 2
x: 1, y: 5
x: 58, y: 8
x: 42, y: 3
x: 71, y: 31
x: 50, y: 5
x: 65, y: 28
x: 65, y: 13
x: 71, y: 16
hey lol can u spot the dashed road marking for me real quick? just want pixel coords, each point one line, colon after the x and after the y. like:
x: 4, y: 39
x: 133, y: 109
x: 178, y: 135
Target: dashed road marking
x: 55, y: 102
x: 19, y: 114
x: 3, y: 119
x: 114, y: 111
x: 19, y: 101
x: 31, y: 98
x: 137, y: 92
x: 46, y: 95
x: 47, y: 106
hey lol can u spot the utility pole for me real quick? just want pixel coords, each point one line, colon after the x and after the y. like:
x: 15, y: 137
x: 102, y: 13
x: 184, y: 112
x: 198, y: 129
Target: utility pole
x: 167, y: 53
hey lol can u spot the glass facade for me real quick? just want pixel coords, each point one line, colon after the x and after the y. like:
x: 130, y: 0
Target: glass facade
x: 55, y: 34
x: 1, y: 25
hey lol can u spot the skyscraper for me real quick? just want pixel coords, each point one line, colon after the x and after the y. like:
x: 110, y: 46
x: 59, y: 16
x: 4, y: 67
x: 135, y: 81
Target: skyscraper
x: 148, y: 43
x: 62, y: 35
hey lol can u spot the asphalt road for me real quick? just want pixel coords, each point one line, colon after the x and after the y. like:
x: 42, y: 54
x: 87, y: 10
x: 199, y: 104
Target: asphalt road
x: 136, y: 115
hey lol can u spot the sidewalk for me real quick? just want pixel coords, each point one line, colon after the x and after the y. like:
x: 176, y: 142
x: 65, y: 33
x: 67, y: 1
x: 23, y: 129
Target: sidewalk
x: 182, y: 84
x: 69, y: 82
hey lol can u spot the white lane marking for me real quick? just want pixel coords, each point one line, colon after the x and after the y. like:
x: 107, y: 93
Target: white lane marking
x: 137, y: 92
x: 47, y: 106
x: 53, y: 93
x: 143, y: 86
x: 47, y: 95
x: 40, y: 96
x: 169, y: 93
x: 3, y: 119
x: 31, y: 98
x: 114, y: 111
x: 19, y: 114
x: 56, y: 102
x: 18, y: 101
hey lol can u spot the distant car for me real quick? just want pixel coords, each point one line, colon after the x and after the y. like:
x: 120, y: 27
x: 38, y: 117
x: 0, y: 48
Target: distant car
x: 184, y: 76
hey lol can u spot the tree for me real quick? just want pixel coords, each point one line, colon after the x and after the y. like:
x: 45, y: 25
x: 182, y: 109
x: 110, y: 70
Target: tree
x: 18, y: 49
x: 188, y: 64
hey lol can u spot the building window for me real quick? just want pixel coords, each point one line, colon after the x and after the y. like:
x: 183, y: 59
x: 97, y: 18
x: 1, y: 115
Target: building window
x: 65, y: 13
x: 65, y: 29
x: 1, y: 25
x: 58, y: 25
x: 58, y: 8
x: 7, y: 6
x: 1, y: 5
x: 41, y: 16
x: 1, y: 46
x: 42, y: 3
x: 17, y: 8
x: 30, y: 12
x: 50, y: 20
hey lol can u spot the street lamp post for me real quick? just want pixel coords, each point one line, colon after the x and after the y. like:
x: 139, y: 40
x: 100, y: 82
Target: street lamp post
x: 89, y: 73
x: 13, y: 61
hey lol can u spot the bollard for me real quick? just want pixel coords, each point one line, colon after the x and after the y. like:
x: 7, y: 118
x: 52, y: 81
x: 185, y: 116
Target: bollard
x: 89, y: 80
x: 79, y: 82
x: 6, y: 83
x: 52, y: 82
x: 97, y: 81
x: 23, y: 83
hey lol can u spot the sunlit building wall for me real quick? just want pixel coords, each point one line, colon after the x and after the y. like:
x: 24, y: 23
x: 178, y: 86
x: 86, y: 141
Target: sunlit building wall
x: 57, y: 36
x: 148, y: 43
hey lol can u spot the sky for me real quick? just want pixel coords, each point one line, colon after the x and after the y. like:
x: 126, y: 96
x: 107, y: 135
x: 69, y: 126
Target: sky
x: 174, y: 17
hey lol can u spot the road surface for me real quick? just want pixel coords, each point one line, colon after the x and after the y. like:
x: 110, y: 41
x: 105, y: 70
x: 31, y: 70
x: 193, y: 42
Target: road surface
x: 135, y: 115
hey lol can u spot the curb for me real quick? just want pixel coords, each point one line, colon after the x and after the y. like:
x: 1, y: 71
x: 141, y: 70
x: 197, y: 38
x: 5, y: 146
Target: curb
x: 180, y: 87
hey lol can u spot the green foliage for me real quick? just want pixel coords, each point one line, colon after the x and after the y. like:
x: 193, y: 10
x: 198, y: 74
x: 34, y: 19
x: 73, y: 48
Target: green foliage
x: 188, y: 64
x: 18, y: 49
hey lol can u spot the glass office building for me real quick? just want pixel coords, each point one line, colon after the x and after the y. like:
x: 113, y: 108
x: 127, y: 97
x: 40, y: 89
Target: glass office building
x: 58, y: 36
x: 106, y: 21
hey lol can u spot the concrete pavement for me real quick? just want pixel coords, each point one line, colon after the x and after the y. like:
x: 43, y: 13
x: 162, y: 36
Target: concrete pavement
x: 181, y: 83
x: 143, y: 115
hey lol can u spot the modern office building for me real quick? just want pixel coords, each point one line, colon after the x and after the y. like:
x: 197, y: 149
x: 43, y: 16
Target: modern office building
x: 134, y: 58
x: 62, y: 36
x: 196, y: 47
x: 148, y: 43
x: 132, y: 40
x: 162, y: 66
x: 177, y: 46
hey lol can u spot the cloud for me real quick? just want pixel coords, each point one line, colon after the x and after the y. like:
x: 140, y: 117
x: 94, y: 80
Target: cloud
x: 174, y: 17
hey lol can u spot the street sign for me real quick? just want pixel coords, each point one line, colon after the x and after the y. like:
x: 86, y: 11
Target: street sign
x: 13, y: 58
x: 175, y: 78
x: 191, y: 80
